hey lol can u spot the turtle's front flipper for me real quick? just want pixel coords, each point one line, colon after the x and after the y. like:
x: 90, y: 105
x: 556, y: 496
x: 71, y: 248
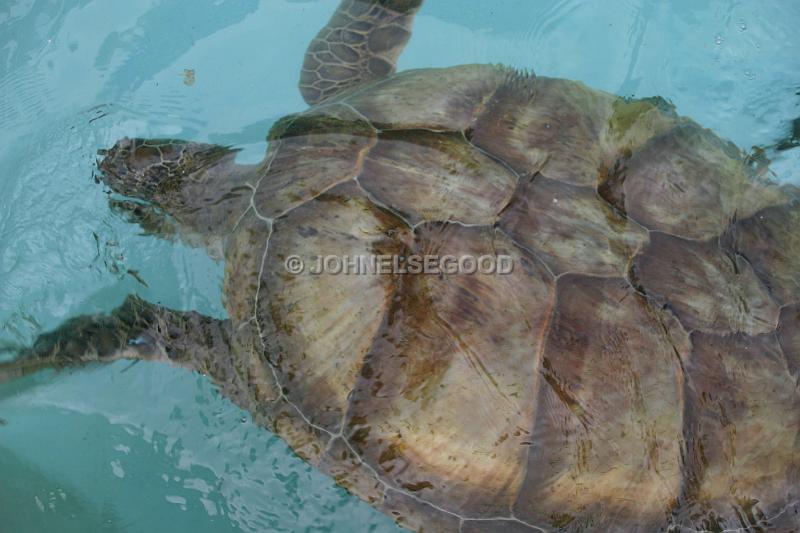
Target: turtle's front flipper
x: 135, y: 330
x: 361, y: 43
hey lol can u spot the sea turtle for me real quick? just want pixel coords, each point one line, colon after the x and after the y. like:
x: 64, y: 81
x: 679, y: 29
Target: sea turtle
x: 637, y: 370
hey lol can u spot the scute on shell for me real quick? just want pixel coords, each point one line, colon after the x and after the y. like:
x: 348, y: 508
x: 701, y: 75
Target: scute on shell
x: 319, y: 328
x: 435, y: 176
x: 742, y: 426
x: 449, y: 371
x: 570, y: 228
x: 688, y: 182
x: 310, y: 153
x: 551, y: 126
x: 604, y: 442
x: 707, y: 287
x: 770, y: 240
x: 448, y: 100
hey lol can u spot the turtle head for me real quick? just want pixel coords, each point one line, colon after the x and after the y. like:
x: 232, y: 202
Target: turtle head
x: 158, y: 169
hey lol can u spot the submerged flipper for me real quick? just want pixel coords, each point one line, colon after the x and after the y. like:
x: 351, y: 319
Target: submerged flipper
x: 135, y: 330
x: 361, y: 43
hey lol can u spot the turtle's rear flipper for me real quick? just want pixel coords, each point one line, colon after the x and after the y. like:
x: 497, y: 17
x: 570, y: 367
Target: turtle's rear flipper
x: 361, y: 43
x: 135, y: 330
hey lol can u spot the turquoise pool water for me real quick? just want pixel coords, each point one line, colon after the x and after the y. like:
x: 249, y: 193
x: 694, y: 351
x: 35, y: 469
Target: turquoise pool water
x: 151, y: 448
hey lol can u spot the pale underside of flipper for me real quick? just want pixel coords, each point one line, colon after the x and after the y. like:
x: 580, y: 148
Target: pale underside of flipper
x: 361, y: 43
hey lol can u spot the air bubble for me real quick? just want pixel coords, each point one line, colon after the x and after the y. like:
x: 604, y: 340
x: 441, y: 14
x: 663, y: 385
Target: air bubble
x: 719, y: 39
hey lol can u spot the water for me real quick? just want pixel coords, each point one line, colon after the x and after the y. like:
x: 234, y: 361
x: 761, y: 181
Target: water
x: 90, y: 450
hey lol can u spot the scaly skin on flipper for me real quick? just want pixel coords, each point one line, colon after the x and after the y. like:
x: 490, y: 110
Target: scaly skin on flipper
x: 361, y: 43
x: 135, y: 330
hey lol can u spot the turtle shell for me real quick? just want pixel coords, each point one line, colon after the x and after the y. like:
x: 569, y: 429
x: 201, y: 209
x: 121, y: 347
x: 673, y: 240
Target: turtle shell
x: 636, y: 371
